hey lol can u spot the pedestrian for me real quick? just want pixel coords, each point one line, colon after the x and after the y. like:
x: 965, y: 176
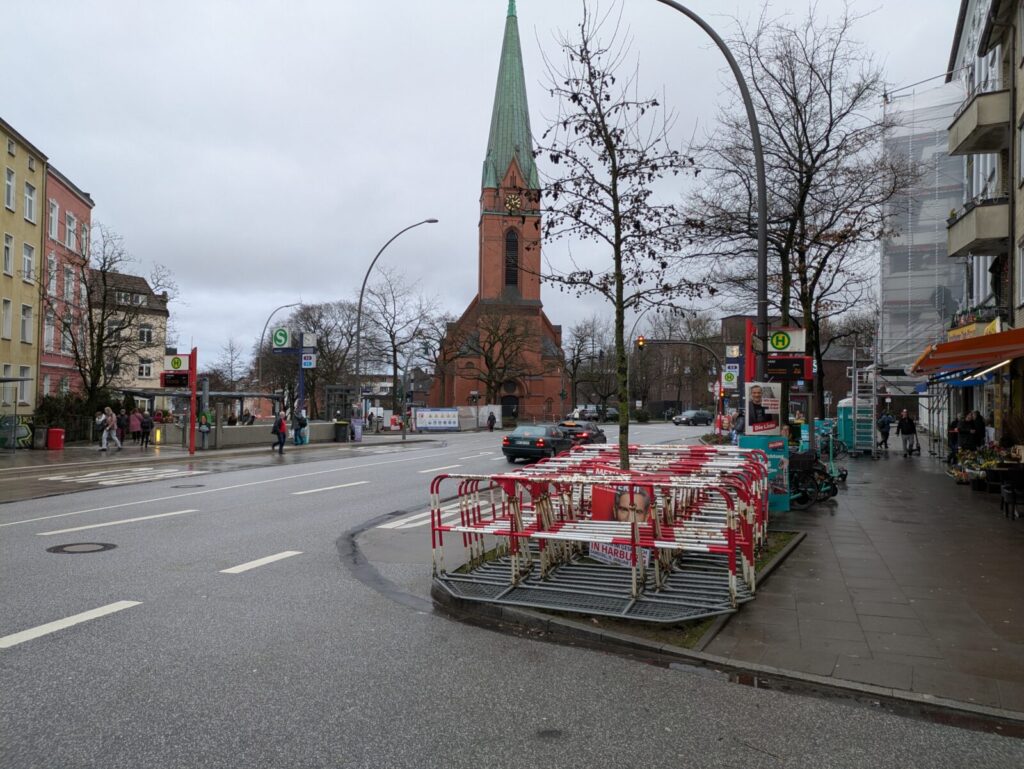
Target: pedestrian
x: 953, y: 437
x: 884, y: 424
x: 297, y: 420
x: 280, y: 429
x: 906, y: 428
x: 110, y: 429
x: 491, y: 419
x: 135, y: 425
x: 232, y: 419
x: 145, y: 428
x: 204, y: 429
x: 122, y: 425
x: 158, y: 417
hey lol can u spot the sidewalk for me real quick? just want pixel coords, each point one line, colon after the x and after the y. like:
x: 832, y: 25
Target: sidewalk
x: 906, y: 580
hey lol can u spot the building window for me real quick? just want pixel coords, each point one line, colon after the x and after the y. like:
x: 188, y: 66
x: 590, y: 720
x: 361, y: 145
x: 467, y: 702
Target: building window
x: 65, y: 338
x: 11, y: 147
x: 24, y: 372
x: 70, y: 238
x: 511, y: 258
x: 145, y: 368
x: 46, y: 385
x: 28, y: 263
x: 26, y: 323
x: 9, y: 190
x: 65, y: 385
x: 8, y: 310
x: 48, y: 324
x: 8, y: 255
x: 146, y: 333
x: 30, y: 203
x: 69, y: 284
x: 51, y: 275
x: 85, y: 239
x: 7, y: 389
x: 1020, y: 275
x: 53, y: 220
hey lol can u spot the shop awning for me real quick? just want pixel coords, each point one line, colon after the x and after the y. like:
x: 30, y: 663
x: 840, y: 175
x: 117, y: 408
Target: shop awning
x: 976, y: 352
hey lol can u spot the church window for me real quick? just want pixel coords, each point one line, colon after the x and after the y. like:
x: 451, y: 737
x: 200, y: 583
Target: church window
x: 511, y: 258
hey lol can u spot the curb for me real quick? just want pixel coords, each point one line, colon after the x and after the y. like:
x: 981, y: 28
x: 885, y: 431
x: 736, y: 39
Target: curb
x: 899, y: 701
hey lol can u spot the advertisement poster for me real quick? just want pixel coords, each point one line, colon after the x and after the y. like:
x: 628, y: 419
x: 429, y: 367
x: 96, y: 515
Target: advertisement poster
x: 762, y: 415
x: 437, y: 419
x: 624, y: 504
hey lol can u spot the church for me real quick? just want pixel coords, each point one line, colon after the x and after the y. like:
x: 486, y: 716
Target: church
x: 504, y: 349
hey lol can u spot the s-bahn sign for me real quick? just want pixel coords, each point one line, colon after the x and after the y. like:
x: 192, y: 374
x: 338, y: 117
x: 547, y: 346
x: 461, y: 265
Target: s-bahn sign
x: 788, y: 340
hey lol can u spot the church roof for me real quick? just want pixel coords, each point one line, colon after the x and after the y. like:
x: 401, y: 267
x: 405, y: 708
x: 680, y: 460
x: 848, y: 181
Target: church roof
x: 510, y: 136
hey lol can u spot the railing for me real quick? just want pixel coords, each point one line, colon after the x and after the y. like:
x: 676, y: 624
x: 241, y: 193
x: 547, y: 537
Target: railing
x: 985, y: 314
x: 985, y: 86
x: 957, y: 214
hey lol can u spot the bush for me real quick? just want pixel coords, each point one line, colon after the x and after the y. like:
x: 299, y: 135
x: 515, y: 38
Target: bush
x: 60, y: 410
x: 643, y: 415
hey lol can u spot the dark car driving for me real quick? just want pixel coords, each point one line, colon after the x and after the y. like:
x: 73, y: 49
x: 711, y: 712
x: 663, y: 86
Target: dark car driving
x: 535, y: 442
x: 694, y: 417
x: 582, y: 432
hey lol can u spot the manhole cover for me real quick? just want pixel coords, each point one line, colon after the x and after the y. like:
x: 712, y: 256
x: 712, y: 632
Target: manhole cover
x: 189, y: 486
x: 81, y: 547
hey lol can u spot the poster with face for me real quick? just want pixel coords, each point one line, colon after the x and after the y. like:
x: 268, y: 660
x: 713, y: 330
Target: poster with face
x: 762, y: 414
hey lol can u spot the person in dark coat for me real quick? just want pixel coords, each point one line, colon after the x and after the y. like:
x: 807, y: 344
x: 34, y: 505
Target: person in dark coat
x: 906, y: 428
x: 953, y: 438
x: 884, y: 424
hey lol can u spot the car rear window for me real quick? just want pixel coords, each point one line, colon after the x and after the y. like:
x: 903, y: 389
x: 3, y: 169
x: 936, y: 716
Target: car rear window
x: 529, y: 432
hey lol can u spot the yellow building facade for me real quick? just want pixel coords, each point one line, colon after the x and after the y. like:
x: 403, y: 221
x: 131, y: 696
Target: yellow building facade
x: 21, y: 227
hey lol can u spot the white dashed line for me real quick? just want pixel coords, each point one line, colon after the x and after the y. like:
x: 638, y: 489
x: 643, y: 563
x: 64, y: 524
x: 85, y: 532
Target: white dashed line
x: 260, y: 562
x: 52, y: 627
x: 329, y: 488
x: 435, y: 469
x: 112, y: 523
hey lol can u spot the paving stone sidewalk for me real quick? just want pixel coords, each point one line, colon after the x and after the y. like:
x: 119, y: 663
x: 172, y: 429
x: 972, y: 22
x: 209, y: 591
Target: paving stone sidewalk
x: 905, y: 580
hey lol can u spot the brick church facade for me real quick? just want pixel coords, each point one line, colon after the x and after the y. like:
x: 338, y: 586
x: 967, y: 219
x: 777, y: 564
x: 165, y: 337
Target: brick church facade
x: 504, y: 348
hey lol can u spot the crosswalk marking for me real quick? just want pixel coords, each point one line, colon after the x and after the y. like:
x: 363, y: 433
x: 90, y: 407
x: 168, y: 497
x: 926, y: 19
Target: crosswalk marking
x: 124, y: 475
x: 448, y: 512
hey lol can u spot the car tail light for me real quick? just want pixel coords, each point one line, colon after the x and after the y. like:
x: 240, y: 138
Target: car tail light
x: 504, y: 441
x: 540, y: 443
x: 584, y: 435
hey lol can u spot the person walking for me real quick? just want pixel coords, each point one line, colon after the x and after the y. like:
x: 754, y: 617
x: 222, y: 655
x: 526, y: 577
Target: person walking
x: 280, y: 429
x: 135, y: 425
x: 906, y: 428
x: 491, y: 419
x: 884, y: 424
x: 110, y: 429
x: 204, y: 430
x: 145, y: 428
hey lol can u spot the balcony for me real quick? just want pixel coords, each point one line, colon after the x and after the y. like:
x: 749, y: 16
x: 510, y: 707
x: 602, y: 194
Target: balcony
x: 982, y: 228
x: 982, y: 124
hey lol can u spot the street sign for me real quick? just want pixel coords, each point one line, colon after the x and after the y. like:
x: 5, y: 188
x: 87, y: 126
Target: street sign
x: 732, y: 351
x: 731, y: 376
x: 308, y: 360
x: 281, y: 337
x: 176, y: 362
x: 786, y: 340
x: 788, y: 369
x: 309, y: 340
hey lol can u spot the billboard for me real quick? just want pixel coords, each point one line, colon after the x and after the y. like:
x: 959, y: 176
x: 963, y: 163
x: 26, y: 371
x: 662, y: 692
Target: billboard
x: 436, y: 419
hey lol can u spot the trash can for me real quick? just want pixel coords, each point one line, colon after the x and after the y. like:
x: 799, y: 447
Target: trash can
x: 340, y: 431
x: 39, y: 436
x: 55, y: 438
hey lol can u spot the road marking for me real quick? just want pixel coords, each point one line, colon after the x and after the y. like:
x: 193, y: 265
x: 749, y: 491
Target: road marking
x: 260, y: 562
x: 449, y: 512
x: 52, y: 627
x: 225, y: 488
x: 435, y: 469
x: 124, y: 475
x: 112, y: 523
x: 329, y: 488
x: 498, y: 459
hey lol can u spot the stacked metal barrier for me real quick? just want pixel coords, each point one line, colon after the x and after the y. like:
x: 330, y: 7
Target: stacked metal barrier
x: 526, y: 535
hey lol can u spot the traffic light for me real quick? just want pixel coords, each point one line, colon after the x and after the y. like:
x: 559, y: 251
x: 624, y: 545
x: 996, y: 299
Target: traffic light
x: 640, y: 342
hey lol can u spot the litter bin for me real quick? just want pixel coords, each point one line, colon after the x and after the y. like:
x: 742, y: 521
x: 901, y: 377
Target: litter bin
x: 55, y: 438
x: 39, y: 436
x: 340, y: 431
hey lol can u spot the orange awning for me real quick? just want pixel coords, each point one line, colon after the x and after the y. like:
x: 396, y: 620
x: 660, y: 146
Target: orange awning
x: 976, y: 352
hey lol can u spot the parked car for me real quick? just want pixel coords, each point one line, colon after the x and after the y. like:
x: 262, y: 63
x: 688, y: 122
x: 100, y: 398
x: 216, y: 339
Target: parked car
x: 694, y: 417
x: 534, y: 442
x: 582, y: 432
x: 611, y: 414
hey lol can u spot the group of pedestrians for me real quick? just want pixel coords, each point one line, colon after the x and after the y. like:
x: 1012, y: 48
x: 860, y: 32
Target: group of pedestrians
x: 906, y: 428
x: 117, y: 428
x: 967, y: 432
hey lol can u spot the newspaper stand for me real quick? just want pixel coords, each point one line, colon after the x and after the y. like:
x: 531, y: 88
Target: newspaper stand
x: 525, y: 535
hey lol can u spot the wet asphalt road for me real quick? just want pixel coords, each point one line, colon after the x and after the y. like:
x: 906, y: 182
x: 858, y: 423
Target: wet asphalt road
x: 240, y: 633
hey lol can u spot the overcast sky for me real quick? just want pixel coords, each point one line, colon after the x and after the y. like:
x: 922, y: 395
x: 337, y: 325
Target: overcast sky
x: 265, y: 151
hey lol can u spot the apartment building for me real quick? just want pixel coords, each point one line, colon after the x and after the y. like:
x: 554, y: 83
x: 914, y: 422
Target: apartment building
x: 133, y: 319
x: 21, y: 226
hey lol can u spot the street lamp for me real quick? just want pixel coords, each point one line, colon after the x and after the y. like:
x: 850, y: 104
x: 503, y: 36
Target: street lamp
x: 359, y: 310
x: 762, y: 190
x: 259, y: 350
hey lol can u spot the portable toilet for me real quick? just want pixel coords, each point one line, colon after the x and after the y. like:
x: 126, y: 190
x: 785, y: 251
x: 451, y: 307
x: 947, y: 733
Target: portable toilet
x: 844, y: 420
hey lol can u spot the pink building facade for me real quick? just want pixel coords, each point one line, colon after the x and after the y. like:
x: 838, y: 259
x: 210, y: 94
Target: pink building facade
x: 68, y: 222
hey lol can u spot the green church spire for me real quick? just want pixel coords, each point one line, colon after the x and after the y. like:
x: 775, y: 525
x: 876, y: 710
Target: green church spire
x: 510, y: 135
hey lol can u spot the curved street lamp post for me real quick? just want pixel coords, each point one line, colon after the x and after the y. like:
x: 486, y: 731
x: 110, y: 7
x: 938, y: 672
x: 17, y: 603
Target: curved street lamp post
x: 259, y: 350
x: 359, y: 312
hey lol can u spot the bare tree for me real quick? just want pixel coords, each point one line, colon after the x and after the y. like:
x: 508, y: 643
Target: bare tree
x: 816, y: 91
x: 231, y: 365
x: 609, y: 150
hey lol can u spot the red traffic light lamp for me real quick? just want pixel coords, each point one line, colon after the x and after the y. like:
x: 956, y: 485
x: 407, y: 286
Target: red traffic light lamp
x: 641, y: 341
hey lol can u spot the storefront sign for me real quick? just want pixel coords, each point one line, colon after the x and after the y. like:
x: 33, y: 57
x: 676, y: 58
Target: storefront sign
x: 965, y: 332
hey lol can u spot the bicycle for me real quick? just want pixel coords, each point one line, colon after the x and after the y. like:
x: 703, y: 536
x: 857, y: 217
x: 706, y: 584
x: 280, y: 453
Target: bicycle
x: 809, y: 481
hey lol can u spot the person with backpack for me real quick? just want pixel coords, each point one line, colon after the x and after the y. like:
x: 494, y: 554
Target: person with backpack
x: 884, y: 424
x: 145, y: 428
x: 280, y: 429
x: 908, y: 431
x: 298, y: 425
